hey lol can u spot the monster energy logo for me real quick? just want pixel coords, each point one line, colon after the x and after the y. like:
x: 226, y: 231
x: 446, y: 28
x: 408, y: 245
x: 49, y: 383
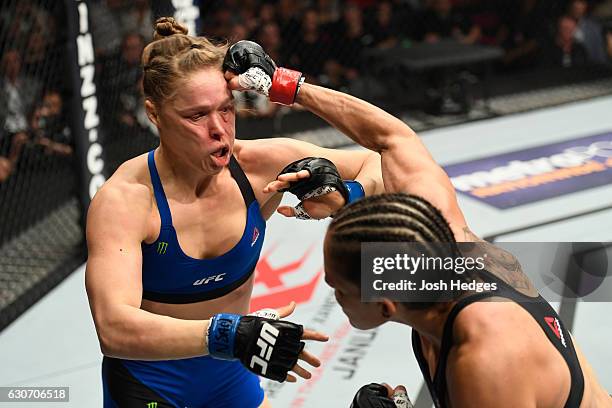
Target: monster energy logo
x: 151, y: 404
x: 161, y: 249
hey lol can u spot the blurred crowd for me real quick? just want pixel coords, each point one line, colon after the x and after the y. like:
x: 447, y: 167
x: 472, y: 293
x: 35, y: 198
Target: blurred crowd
x: 326, y: 39
x: 32, y: 109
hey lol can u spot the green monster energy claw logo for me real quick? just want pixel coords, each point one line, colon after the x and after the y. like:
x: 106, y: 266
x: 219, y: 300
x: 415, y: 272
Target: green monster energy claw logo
x: 161, y: 249
x: 151, y: 404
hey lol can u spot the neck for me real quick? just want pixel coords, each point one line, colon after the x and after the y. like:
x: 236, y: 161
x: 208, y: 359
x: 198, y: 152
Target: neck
x: 429, y: 322
x: 183, y: 177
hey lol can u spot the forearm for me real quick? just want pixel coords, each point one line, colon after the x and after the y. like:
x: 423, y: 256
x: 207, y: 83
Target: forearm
x: 133, y: 333
x: 363, y: 122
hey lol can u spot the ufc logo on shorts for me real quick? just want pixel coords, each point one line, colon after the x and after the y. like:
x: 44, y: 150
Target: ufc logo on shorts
x: 266, y: 341
x: 204, y: 281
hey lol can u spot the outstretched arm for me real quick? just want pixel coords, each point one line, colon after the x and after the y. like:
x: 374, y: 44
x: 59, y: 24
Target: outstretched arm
x: 407, y: 165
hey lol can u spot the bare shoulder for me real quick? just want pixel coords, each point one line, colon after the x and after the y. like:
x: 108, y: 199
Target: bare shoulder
x: 501, y: 355
x: 493, y: 362
x: 126, y: 198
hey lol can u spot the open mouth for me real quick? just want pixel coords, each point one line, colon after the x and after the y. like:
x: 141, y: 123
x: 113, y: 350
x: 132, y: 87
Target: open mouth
x: 221, y: 152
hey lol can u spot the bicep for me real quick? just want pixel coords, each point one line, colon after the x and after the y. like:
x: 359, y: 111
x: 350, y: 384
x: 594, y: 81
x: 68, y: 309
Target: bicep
x: 114, y: 267
x: 408, y: 167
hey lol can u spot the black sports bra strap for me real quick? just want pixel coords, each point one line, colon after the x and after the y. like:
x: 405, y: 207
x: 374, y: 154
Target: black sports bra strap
x: 243, y: 182
x: 447, y: 339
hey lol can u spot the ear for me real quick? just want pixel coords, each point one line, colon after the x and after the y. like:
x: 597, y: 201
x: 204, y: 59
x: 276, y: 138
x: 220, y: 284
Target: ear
x: 387, y: 308
x: 152, y: 112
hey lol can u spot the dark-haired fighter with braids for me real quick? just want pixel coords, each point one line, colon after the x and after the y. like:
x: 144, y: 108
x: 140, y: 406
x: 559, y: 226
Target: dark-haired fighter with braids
x: 472, y: 352
x: 467, y: 357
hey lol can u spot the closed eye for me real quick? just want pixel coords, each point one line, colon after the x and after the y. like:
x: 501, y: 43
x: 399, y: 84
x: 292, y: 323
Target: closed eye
x: 197, y: 116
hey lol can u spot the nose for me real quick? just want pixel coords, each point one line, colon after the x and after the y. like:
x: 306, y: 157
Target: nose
x: 215, y: 126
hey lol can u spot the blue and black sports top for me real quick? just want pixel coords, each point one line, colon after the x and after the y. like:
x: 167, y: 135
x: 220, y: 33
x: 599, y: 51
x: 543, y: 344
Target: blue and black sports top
x: 170, y: 276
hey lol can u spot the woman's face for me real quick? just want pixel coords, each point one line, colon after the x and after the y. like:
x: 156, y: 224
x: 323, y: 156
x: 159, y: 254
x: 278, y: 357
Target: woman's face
x: 362, y: 315
x: 198, y: 122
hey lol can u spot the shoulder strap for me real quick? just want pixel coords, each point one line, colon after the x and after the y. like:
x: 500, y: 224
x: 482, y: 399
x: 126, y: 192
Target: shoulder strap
x: 418, y: 353
x: 158, y: 190
x: 242, y: 181
x: 448, y: 341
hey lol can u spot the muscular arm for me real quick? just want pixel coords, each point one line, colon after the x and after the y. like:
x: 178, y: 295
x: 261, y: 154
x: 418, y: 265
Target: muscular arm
x: 277, y: 153
x: 407, y: 166
x: 115, y: 229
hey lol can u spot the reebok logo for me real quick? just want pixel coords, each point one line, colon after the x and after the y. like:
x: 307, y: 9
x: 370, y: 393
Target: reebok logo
x: 204, y: 281
x: 266, y: 342
x: 555, y: 326
x: 255, y: 236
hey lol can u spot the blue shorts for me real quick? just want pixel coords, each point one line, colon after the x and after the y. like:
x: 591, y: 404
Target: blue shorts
x: 192, y: 382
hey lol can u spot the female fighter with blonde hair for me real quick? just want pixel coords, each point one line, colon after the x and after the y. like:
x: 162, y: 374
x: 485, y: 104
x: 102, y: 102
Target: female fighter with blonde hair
x: 175, y: 234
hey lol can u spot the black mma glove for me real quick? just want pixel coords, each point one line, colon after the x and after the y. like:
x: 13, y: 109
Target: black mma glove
x: 324, y: 179
x: 256, y: 71
x: 267, y: 347
x: 372, y: 396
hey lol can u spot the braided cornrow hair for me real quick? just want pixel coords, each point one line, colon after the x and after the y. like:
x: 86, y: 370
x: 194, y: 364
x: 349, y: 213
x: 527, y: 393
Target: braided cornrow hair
x: 396, y: 217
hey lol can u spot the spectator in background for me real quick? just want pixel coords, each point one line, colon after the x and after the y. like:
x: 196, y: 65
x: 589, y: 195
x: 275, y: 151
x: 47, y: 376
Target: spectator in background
x: 48, y: 126
x: 248, y: 14
x: 603, y: 10
x: 268, y: 37
x: 441, y: 21
x: 328, y: 11
x: 526, y: 29
x: 128, y: 79
x: 138, y: 19
x: 588, y: 31
x: 24, y: 19
x: 288, y: 12
x: 565, y: 51
x: 239, y: 32
x: 36, y: 54
x: 342, y: 69
x: 311, y: 47
x: 106, y: 26
x: 487, y: 17
x: 267, y: 13
x: 384, y: 30
x: 5, y: 168
x: 17, y: 96
x: 222, y: 23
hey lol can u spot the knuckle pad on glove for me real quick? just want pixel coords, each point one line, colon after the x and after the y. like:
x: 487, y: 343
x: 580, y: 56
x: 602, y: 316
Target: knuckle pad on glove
x: 322, y: 173
x: 247, y: 54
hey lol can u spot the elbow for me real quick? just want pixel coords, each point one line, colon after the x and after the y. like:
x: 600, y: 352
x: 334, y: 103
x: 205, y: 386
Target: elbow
x: 393, y: 141
x: 110, y: 343
x: 115, y: 339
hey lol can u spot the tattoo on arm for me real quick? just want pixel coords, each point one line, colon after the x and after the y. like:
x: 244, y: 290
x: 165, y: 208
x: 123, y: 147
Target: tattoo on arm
x: 501, y: 262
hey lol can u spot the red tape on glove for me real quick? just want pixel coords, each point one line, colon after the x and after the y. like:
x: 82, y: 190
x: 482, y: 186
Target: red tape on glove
x: 284, y: 87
